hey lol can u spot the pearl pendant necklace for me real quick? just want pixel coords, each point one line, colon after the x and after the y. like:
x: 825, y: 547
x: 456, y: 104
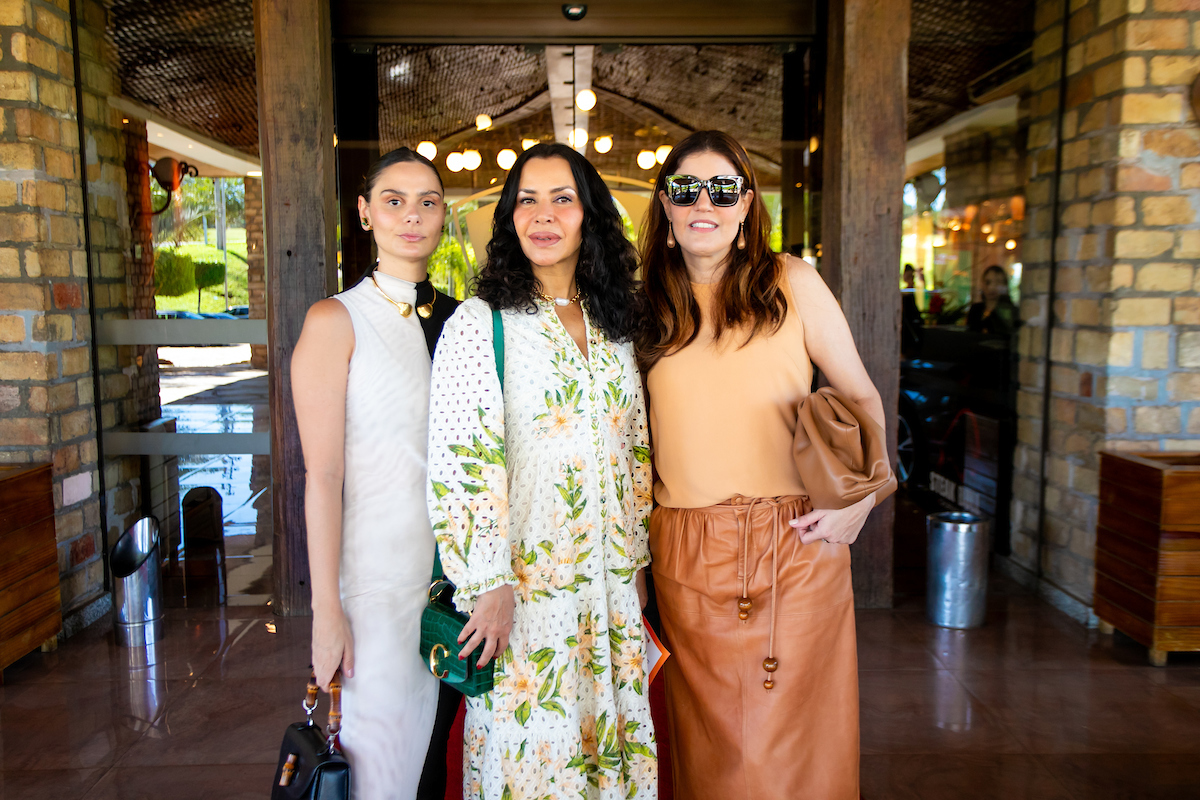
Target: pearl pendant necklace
x: 558, y: 301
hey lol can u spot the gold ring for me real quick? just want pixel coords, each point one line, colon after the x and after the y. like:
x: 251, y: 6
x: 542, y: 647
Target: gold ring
x: 434, y: 659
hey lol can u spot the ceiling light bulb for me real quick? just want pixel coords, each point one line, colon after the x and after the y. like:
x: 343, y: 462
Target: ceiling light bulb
x: 506, y: 158
x: 991, y: 238
x: 603, y: 144
x: 660, y: 155
x: 428, y: 150
x: 646, y: 159
x: 578, y: 138
x: 483, y: 122
x: 454, y: 161
x: 528, y: 143
x: 985, y: 227
x: 471, y: 160
x: 1011, y: 244
x: 586, y: 100
x: 813, y: 144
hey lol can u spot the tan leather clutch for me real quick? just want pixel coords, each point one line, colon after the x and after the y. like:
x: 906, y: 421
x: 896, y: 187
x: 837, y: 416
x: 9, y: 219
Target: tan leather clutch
x: 840, y: 451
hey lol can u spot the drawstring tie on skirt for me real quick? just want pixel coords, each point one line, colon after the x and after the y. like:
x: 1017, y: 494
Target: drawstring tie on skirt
x: 745, y: 604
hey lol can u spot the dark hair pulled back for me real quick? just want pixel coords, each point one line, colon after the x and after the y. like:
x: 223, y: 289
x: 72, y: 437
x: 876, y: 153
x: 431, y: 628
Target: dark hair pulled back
x: 400, y: 155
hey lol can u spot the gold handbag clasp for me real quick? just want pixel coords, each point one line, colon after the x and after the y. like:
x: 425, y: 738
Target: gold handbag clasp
x: 435, y: 659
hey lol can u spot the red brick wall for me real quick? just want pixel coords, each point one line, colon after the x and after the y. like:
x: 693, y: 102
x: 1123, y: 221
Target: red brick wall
x: 1125, y: 339
x: 47, y: 411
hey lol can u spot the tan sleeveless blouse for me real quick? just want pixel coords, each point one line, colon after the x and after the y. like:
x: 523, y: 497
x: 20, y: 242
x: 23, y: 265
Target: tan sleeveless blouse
x: 722, y: 416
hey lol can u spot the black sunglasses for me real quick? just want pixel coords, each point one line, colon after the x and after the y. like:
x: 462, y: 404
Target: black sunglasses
x: 723, y: 190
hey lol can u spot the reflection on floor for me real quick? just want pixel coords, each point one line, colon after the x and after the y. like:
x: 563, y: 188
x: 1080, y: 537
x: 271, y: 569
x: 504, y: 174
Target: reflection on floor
x: 1029, y: 706
x: 210, y: 390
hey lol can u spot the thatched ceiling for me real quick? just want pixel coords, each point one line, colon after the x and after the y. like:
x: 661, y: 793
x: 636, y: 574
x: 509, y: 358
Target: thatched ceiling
x: 193, y: 60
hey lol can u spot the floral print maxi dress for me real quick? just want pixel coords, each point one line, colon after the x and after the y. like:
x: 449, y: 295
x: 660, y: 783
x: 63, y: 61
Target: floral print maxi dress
x: 547, y: 489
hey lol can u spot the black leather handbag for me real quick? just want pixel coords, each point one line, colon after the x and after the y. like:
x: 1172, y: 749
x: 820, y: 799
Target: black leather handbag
x: 311, y: 764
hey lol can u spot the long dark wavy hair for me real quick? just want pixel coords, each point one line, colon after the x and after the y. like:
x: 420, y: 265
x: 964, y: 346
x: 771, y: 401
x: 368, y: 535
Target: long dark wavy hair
x: 750, y: 291
x: 606, y: 272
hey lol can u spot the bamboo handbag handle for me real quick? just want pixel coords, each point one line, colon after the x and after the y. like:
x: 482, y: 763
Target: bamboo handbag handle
x: 335, y: 709
x: 334, y: 726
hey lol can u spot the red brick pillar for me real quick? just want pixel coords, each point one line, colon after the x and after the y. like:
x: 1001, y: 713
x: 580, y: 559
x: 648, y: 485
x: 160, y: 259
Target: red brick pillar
x: 1124, y: 324
x: 256, y: 261
x: 47, y: 374
x: 140, y: 274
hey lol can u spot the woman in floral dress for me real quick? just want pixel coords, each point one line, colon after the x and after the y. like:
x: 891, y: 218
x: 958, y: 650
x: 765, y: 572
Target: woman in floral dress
x: 540, y: 494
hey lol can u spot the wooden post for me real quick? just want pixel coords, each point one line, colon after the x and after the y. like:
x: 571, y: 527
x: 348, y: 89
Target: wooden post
x: 295, y: 124
x: 865, y: 101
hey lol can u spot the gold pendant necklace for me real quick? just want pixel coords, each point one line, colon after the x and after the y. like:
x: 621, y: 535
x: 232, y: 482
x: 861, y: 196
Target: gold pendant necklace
x: 558, y: 301
x: 405, y: 309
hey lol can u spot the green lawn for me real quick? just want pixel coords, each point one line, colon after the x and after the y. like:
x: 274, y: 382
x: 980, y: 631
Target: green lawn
x: 213, y: 299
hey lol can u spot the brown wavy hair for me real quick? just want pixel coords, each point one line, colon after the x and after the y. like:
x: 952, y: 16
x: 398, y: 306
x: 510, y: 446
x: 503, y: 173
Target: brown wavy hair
x: 749, y: 294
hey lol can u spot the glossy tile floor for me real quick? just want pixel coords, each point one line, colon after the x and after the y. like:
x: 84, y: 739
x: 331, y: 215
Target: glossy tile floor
x: 1029, y: 706
x: 214, y: 390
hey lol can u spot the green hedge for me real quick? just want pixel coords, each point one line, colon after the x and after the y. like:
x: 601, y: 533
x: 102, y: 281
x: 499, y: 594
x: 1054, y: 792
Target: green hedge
x: 209, y: 274
x: 174, y: 274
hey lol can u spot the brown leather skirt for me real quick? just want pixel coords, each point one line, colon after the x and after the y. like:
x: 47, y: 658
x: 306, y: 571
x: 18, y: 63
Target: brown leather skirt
x: 731, y: 737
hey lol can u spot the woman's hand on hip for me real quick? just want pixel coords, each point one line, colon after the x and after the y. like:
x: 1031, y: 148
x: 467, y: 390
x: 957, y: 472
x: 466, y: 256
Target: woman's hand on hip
x: 332, y: 646
x: 489, y: 625
x: 834, y: 525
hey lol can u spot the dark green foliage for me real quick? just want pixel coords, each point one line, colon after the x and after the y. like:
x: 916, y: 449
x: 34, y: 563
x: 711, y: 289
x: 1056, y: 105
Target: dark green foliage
x: 174, y: 273
x: 209, y: 274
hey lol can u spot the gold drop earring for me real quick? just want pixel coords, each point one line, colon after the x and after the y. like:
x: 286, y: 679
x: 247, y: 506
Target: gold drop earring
x: 670, y: 235
x: 366, y: 225
x: 741, y: 240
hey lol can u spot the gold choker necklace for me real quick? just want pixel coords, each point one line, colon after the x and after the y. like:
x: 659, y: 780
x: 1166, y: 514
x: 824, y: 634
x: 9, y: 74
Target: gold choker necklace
x: 558, y: 301
x: 405, y: 309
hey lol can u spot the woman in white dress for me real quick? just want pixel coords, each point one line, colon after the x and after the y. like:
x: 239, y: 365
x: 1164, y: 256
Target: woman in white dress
x: 540, y: 494
x: 360, y: 382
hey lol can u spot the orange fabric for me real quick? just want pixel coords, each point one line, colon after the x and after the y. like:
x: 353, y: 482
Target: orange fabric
x: 729, y: 736
x: 841, y: 453
x: 722, y: 415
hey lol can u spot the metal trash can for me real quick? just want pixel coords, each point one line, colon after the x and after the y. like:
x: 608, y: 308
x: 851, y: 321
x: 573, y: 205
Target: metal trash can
x: 956, y: 571
x: 137, y: 590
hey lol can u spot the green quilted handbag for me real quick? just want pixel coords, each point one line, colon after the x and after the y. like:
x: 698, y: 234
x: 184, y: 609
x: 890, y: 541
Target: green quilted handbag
x: 441, y: 623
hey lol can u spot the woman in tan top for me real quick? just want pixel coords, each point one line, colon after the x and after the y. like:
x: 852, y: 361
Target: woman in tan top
x: 753, y: 583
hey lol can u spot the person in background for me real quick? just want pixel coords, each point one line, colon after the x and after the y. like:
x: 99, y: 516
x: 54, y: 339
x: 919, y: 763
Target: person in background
x: 360, y: 382
x: 911, y: 325
x: 995, y: 312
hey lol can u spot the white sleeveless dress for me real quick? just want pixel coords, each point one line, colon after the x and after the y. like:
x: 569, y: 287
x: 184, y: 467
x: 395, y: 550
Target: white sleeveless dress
x: 387, y: 544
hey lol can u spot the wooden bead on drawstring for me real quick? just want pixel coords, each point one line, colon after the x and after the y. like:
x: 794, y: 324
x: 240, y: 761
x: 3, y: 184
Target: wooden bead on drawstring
x: 744, y: 606
x: 770, y: 665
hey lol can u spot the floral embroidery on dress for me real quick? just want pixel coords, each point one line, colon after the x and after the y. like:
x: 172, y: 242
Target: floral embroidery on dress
x: 548, y: 489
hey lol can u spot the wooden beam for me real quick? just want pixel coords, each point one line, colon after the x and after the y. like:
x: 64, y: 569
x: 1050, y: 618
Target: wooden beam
x: 295, y: 113
x: 624, y: 21
x: 866, y: 89
x: 534, y: 105
x: 642, y: 112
